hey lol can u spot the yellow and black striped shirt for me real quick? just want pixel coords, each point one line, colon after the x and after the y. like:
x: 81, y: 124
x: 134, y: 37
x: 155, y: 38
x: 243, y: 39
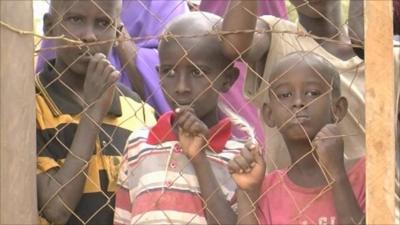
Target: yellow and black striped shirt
x: 57, y: 118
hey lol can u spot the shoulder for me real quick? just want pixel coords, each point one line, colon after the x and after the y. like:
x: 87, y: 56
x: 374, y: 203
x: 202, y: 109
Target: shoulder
x: 354, y: 164
x: 140, y: 135
x: 276, y: 22
x: 356, y: 172
x: 131, y: 104
x: 273, y: 178
x: 233, y: 147
x: 136, y: 140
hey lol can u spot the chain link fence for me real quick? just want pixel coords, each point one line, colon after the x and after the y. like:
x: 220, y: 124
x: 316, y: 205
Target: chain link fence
x: 97, y: 138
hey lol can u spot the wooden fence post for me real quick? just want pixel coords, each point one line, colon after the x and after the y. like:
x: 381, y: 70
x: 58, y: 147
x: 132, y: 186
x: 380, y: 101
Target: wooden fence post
x: 17, y: 116
x: 380, y: 108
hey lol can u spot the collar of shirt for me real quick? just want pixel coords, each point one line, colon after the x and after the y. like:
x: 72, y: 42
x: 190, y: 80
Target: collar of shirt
x: 162, y: 132
x: 59, y: 96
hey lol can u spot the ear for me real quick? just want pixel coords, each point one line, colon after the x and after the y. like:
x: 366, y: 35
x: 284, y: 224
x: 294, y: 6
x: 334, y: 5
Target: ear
x: 120, y: 29
x: 48, y: 24
x: 339, y: 109
x: 267, y: 115
x: 229, y: 76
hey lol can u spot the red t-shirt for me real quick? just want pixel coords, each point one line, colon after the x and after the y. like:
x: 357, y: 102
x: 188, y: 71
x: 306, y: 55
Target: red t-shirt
x: 284, y: 202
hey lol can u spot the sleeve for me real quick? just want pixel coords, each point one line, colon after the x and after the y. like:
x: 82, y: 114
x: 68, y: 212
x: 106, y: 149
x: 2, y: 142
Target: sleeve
x: 123, y: 203
x: 45, y: 159
x: 145, y: 21
x: 358, y: 183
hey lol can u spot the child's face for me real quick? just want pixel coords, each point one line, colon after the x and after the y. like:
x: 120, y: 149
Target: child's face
x: 88, y: 21
x: 300, y: 103
x: 314, y: 8
x: 191, y: 80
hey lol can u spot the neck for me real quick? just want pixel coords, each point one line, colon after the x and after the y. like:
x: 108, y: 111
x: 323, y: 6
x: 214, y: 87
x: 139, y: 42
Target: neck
x: 300, y: 154
x: 72, y: 79
x: 327, y: 26
x: 305, y: 170
x: 211, y: 119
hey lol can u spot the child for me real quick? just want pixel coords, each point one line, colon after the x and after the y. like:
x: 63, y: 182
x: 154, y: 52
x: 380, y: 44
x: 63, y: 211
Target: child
x: 83, y: 117
x: 318, y: 21
x: 235, y: 98
x: 320, y: 187
x: 175, y: 173
x: 135, y: 54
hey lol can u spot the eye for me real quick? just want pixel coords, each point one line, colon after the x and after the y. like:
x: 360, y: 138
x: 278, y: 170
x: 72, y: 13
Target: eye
x: 168, y: 72
x: 196, y: 73
x: 313, y: 93
x: 104, y: 23
x: 75, y: 19
x: 283, y: 95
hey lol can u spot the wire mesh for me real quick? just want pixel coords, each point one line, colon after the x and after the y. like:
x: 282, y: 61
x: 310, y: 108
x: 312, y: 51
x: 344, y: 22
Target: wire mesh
x: 125, y: 152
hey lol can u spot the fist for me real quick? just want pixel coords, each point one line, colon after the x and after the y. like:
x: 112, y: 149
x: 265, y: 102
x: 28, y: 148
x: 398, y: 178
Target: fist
x: 99, y: 85
x: 192, y: 132
x: 100, y: 75
x: 248, y: 168
x: 329, y: 146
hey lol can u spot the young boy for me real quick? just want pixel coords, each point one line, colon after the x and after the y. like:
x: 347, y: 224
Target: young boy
x: 83, y: 117
x: 319, y: 30
x: 320, y: 187
x: 136, y: 60
x: 176, y: 172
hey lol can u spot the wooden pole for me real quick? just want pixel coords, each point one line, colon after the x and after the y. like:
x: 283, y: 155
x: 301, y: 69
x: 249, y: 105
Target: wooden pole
x: 380, y: 108
x: 17, y: 116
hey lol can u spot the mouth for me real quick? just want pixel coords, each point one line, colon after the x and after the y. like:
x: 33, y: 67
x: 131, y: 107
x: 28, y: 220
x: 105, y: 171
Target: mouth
x: 301, y: 119
x: 184, y: 104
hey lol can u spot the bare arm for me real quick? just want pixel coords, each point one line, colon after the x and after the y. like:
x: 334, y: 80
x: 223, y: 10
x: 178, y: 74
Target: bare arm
x: 218, y: 209
x: 330, y: 152
x: 347, y: 208
x: 191, y: 136
x: 127, y: 54
x: 60, y: 190
x: 241, y: 16
x: 248, y: 170
x: 356, y: 26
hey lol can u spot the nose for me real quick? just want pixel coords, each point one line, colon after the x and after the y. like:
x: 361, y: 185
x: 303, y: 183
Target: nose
x: 182, y: 85
x: 298, y: 101
x: 88, y: 35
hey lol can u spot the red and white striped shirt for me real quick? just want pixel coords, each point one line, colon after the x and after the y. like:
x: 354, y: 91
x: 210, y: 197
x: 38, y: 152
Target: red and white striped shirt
x: 158, y: 184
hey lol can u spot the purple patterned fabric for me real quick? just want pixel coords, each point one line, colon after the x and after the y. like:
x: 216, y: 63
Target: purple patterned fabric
x: 265, y: 7
x: 144, y: 18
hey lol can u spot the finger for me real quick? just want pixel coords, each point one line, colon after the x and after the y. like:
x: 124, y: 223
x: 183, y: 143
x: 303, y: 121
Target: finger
x: 95, y: 59
x: 244, y: 166
x: 108, y: 70
x: 181, y: 117
x: 101, y: 67
x: 114, y: 76
x: 233, y: 167
x: 255, y: 151
x: 246, y: 153
x: 199, y: 128
x: 190, y: 124
x: 183, y: 109
x: 92, y: 65
x: 112, y: 79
